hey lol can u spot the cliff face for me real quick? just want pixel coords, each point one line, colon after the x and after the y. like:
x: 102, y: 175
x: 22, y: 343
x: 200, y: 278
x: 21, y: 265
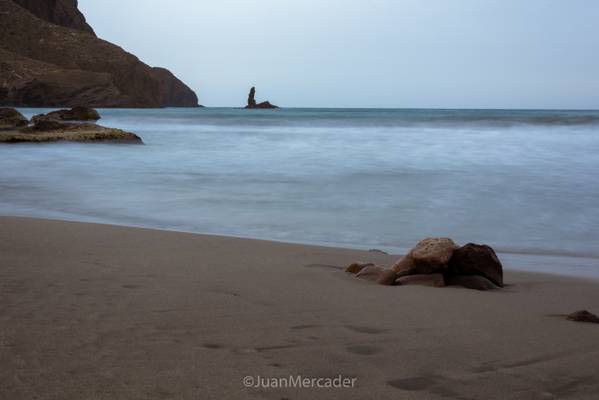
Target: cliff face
x: 45, y: 64
x: 59, y: 12
x: 172, y: 90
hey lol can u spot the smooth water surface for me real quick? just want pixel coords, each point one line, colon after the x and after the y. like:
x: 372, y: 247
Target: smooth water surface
x: 521, y: 181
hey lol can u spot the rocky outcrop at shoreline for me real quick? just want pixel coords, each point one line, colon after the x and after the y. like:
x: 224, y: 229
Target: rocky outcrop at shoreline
x: 56, y: 126
x: 11, y: 119
x: 72, y: 133
x: 49, y: 58
x: 74, y: 114
x: 439, y: 262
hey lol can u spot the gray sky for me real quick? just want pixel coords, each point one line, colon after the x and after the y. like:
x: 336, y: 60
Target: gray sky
x: 367, y: 53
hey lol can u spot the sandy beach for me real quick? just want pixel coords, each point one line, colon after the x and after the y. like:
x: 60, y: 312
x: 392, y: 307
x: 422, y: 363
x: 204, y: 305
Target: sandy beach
x: 102, y: 312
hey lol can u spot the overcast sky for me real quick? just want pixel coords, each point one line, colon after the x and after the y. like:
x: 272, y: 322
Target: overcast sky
x: 367, y: 53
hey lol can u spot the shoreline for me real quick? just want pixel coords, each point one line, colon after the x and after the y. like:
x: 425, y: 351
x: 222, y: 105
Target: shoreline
x: 551, y: 263
x: 107, y: 312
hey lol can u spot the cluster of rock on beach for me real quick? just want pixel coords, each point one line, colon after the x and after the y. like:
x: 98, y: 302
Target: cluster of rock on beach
x: 439, y: 262
x: 77, y: 124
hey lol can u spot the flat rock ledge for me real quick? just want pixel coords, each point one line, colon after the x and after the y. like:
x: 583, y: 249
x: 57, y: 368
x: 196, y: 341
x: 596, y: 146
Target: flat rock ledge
x: 57, y: 127
x: 70, y: 133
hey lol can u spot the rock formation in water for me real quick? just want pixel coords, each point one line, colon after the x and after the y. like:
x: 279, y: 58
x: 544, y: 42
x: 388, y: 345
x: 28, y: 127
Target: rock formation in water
x: 69, y: 133
x: 54, y: 127
x: 74, y: 114
x: 11, y: 119
x: 252, y: 98
x: 252, y: 101
x: 50, y: 57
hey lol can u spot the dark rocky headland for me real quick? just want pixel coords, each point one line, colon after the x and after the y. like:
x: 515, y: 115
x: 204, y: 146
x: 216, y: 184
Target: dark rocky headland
x: 51, y: 57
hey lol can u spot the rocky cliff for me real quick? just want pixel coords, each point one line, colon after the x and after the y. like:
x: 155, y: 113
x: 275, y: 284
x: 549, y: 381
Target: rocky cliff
x: 50, y: 57
x: 59, y: 12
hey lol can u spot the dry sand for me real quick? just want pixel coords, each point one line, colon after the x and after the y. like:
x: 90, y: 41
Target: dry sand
x: 101, y: 312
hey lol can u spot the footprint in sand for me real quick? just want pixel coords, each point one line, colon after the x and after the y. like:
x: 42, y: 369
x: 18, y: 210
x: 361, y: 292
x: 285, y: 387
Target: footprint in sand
x: 213, y: 346
x: 366, y: 329
x: 363, y: 349
x: 431, y: 383
x: 280, y: 347
x: 411, y: 384
x: 302, y: 327
x: 130, y: 287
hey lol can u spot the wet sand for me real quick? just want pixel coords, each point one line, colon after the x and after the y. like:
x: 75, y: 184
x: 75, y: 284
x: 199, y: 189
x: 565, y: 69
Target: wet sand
x: 93, y: 311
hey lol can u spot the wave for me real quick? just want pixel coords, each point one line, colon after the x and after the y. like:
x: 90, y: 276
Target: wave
x: 359, y: 118
x: 547, y: 252
x: 225, y: 118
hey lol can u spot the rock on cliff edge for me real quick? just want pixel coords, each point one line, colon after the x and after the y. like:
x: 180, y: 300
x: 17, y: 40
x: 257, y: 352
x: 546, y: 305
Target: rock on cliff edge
x: 50, y: 57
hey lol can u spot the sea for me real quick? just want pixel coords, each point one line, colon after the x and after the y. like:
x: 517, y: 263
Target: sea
x: 525, y: 182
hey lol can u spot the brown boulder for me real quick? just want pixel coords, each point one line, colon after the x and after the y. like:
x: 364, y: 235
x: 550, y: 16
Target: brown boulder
x: 387, y: 278
x: 430, y: 255
x: 11, y: 119
x: 434, y: 280
x: 583, y: 316
x: 474, y: 259
x: 356, y: 267
x: 405, y: 263
x: 476, y: 282
x: 371, y: 273
x: 433, y: 252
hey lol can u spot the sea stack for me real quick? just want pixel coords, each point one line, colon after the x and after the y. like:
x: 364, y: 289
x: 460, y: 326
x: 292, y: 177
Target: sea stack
x: 252, y: 101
